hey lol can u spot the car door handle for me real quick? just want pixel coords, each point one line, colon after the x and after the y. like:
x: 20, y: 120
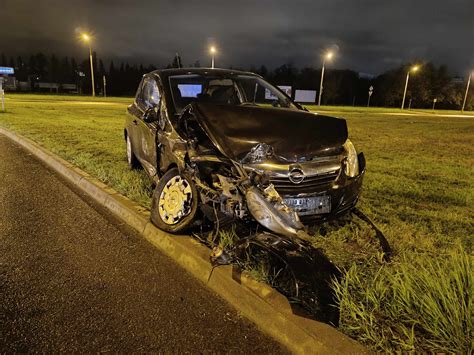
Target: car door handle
x: 135, y: 122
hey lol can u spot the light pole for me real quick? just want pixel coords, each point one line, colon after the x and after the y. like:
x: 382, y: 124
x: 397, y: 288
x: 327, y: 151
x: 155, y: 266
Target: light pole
x: 371, y: 91
x: 413, y: 69
x: 105, y: 85
x: 467, y: 90
x: 213, y: 52
x: 327, y: 56
x: 86, y: 38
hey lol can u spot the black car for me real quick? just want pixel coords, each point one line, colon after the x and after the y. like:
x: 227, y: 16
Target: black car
x: 225, y: 145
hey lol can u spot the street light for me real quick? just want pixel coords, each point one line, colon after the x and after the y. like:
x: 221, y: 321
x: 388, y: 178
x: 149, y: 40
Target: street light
x: 467, y: 90
x: 327, y: 56
x: 413, y: 69
x: 213, y: 52
x: 87, y: 39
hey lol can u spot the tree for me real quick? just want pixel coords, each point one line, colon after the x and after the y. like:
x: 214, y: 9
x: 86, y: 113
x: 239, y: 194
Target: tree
x: 21, y: 70
x: 176, y: 63
x: 53, y: 70
x: 65, y: 72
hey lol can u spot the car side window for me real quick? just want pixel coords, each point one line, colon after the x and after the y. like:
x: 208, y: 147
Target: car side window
x: 150, y: 95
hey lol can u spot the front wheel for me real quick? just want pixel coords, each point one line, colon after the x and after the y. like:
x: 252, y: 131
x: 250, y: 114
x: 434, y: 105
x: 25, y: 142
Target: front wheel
x: 174, y: 202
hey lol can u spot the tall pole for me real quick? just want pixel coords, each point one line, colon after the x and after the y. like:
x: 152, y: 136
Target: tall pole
x: 105, y: 85
x: 321, y: 83
x: 467, y: 90
x: 92, y: 70
x: 405, y: 91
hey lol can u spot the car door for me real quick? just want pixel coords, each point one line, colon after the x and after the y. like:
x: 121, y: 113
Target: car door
x: 146, y: 131
x: 134, y: 112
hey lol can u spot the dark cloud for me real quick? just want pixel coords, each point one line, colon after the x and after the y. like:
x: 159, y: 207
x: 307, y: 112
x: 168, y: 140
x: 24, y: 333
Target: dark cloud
x: 372, y: 35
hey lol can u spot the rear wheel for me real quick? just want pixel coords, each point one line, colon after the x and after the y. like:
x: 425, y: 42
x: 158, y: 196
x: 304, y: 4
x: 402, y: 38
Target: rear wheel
x: 132, y: 160
x: 174, y: 203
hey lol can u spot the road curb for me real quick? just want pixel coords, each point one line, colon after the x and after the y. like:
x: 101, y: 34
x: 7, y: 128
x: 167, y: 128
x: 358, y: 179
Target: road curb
x: 264, y: 306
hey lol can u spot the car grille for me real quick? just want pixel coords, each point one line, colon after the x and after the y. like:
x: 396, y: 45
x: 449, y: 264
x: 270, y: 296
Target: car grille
x: 312, y: 183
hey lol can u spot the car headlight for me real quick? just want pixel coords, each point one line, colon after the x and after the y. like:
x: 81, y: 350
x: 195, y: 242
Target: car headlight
x: 352, y: 161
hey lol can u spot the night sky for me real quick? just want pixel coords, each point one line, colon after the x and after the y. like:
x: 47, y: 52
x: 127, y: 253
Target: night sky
x: 371, y: 35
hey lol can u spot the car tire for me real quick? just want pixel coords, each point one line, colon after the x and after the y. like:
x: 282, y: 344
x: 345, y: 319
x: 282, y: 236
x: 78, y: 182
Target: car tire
x: 174, y: 203
x: 132, y: 160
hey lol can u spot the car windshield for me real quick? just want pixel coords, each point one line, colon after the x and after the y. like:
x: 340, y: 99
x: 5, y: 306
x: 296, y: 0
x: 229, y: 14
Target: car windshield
x: 228, y: 90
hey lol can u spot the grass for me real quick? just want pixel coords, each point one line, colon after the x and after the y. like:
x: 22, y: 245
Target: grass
x: 67, y: 98
x: 386, y: 110
x: 418, y: 190
x: 416, y: 304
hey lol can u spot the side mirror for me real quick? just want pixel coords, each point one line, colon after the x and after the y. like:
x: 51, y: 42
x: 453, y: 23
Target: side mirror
x: 151, y: 114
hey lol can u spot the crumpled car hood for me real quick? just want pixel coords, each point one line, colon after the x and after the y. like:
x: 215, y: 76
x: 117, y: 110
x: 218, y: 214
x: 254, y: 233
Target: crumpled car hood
x: 292, y: 134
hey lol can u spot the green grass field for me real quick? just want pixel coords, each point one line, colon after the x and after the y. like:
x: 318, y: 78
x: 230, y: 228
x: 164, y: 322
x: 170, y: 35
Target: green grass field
x: 385, y: 110
x: 418, y: 190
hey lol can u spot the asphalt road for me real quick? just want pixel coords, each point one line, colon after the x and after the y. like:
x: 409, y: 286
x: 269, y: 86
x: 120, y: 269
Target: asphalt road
x: 72, y: 278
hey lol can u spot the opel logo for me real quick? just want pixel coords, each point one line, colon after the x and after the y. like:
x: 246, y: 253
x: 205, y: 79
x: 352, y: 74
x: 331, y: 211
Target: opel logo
x: 296, y: 176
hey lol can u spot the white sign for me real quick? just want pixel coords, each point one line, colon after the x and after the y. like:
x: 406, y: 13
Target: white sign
x: 371, y: 90
x: 269, y: 96
x: 305, y: 96
x: 286, y: 89
x: 7, y: 70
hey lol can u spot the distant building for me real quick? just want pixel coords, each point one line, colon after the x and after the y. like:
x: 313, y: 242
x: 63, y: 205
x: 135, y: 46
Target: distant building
x: 458, y: 80
x: 46, y: 87
x: 366, y: 76
x: 9, y: 83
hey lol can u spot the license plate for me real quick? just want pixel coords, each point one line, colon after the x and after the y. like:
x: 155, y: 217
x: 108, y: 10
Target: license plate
x: 310, y: 205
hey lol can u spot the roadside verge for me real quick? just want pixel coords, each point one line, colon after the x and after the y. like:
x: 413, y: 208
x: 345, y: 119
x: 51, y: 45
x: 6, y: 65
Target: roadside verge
x: 267, y: 308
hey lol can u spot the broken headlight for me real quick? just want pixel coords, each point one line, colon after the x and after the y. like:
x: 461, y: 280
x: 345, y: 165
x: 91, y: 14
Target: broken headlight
x: 352, y: 162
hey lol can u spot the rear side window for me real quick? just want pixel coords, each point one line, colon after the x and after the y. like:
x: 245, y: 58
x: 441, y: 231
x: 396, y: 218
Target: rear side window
x: 150, y: 94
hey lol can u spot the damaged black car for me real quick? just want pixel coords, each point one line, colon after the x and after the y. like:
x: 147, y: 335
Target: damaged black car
x: 226, y: 148
x: 225, y: 145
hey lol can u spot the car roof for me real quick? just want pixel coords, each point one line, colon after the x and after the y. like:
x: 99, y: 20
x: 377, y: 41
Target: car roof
x: 165, y: 73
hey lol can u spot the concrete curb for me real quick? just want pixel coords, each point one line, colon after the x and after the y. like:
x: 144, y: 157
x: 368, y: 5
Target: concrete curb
x: 267, y: 308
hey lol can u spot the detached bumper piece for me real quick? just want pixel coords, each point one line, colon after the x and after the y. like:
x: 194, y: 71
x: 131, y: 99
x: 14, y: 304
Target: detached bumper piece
x: 295, y: 268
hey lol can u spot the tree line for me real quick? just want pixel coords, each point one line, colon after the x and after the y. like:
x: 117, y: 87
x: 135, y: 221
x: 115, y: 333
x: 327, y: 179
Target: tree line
x: 341, y: 87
